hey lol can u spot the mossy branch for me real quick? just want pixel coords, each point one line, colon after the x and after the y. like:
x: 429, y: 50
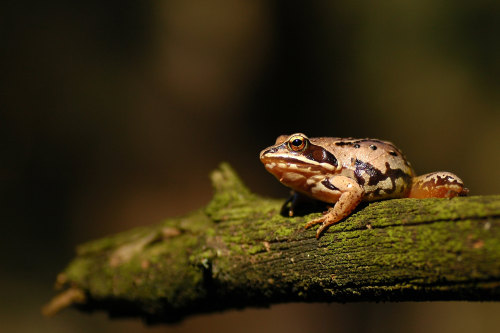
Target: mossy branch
x: 239, y: 251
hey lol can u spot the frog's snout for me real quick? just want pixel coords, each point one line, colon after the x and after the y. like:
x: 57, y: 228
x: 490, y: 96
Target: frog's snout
x: 262, y: 153
x: 267, y: 153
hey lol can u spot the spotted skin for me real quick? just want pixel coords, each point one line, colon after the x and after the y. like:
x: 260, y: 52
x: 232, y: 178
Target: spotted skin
x: 345, y: 171
x: 437, y: 185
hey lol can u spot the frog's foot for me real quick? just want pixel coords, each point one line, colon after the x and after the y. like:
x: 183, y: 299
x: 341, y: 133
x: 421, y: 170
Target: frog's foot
x: 437, y: 185
x: 326, y: 221
x: 319, y: 220
x: 345, y: 192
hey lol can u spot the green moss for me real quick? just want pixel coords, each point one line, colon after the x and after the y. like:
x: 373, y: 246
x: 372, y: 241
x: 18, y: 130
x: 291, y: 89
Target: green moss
x: 229, y: 192
x: 235, y: 249
x: 107, y: 243
x: 246, y: 249
x: 283, y: 231
x: 256, y: 249
x: 77, y: 270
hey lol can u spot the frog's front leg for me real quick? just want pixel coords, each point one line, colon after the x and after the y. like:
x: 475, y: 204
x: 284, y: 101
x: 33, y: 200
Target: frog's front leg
x: 345, y: 192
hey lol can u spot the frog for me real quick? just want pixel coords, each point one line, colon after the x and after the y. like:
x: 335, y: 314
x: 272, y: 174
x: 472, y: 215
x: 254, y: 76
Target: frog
x: 344, y: 172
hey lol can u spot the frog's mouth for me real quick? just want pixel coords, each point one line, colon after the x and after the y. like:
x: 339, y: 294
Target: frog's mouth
x: 293, y: 173
x: 279, y: 166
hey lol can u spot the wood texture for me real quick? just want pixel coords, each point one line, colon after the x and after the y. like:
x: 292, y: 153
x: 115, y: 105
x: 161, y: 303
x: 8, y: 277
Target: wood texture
x: 239, y: 252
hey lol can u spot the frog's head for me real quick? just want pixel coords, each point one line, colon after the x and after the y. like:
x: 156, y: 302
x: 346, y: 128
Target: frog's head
x: 295, y: 157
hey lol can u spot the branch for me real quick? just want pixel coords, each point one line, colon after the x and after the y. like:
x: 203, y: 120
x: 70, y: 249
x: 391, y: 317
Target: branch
x: 239, y: 251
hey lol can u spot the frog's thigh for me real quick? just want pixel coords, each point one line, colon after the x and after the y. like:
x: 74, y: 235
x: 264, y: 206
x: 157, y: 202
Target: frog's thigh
x: 347, y: 194
x: 437, y: 185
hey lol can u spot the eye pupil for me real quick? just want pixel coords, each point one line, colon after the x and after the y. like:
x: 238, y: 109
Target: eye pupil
x: 297, y: 143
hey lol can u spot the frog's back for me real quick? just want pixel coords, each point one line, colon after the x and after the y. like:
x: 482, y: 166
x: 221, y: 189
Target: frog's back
x: 378, y: 166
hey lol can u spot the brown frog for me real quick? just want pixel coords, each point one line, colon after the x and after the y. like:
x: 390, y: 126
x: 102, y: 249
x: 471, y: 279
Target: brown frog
x: 346, y: 171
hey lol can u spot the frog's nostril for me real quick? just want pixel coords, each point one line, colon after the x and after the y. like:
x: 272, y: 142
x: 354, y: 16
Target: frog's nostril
x: 266, y: 152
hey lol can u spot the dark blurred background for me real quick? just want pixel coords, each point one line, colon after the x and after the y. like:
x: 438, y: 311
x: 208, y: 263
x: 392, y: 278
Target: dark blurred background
x: 113, y: 114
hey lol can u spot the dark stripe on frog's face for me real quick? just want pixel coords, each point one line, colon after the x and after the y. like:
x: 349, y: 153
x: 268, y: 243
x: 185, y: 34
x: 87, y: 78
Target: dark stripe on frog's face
x: 319, y: 154
x: 310, y: 155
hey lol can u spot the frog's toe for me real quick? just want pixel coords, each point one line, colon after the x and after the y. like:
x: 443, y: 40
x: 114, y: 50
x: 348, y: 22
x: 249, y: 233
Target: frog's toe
x: 321, y: 229
x: 319, y: 220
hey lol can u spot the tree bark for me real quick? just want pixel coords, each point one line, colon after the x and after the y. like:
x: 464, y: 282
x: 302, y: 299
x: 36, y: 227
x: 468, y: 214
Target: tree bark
x: 239, y: 252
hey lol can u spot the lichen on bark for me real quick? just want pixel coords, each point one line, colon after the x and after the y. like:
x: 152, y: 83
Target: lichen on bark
x: 240, y: 251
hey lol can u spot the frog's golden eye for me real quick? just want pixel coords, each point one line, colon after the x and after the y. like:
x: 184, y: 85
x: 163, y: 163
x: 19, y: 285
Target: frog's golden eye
x: 297, y: 143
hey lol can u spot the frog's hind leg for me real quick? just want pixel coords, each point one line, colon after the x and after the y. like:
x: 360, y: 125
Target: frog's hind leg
x: 439, y: 184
